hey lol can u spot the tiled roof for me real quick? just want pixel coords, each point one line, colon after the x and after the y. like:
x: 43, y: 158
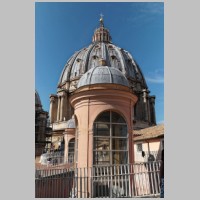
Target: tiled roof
x: 149, y: 133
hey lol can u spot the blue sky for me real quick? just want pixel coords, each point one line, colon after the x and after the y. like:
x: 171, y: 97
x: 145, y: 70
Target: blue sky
x: 63, y: 28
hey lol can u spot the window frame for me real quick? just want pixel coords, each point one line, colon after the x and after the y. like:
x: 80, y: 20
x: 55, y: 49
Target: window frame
x: 110, y: 137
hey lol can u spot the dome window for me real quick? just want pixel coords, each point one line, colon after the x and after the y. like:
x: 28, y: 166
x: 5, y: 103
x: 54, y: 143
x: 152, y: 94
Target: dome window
x: 113, y: 57
x: 95, y: 57
x: 78, y: 59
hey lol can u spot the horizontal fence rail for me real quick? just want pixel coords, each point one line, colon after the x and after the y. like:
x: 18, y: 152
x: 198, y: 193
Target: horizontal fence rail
x: 131, y: 180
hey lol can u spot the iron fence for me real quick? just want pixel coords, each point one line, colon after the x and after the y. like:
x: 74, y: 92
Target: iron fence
x: 131, y: 180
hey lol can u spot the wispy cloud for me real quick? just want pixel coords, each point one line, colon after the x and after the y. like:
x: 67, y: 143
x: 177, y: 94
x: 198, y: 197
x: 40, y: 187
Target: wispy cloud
x: 146, y: 11
x: 152, y: 8
x: 156, y: 77
x: 155, y: 80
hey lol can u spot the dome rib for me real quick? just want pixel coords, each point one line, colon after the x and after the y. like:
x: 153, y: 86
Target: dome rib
x: 70, y: 69
x: 121, y: 59
x: 107, y: 56
x: 87, y: 59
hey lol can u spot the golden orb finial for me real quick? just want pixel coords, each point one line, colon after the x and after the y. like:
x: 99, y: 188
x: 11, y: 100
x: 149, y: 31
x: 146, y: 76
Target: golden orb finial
x: 101, y: 19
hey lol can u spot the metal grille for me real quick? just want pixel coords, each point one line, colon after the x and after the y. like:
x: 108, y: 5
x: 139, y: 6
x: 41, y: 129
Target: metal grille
x: 131, y: 180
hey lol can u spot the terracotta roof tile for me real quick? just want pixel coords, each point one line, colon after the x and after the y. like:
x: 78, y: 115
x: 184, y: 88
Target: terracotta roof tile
x: 148, y: 133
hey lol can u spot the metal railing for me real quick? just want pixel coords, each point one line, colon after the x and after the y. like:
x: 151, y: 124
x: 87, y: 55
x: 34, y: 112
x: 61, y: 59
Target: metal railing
x: 131, y: 180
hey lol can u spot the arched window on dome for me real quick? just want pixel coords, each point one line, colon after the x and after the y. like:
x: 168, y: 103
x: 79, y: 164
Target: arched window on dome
x: 71, y: 146
x: 110, y: 139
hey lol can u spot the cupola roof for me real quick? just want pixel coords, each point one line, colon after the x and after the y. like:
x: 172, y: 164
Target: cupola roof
x: 102, y: 75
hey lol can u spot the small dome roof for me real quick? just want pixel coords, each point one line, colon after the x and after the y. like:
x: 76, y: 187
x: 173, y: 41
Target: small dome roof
x: 103, y: 74
x: 71, y: 123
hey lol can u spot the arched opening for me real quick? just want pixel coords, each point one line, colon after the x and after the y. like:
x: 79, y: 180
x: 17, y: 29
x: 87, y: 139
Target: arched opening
x: 110, y: 139
x: 71, y: 146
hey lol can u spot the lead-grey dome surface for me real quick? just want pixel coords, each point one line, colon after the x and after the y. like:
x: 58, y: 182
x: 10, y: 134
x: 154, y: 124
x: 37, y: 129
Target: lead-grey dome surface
x: 103, y: 74
x: 71, y: 123
x: 88, y: 58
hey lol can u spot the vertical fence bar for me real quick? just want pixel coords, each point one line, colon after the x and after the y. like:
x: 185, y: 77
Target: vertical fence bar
x: 158, y: 169
x: 121, y: 179
x: 115, y: 173
x: 91, y: 183
x: 151, y: 177
x: 101, y: 183
x: 80, y: 179
x: 104, y: 180
x: 56, y: 176
x: 45, y: 182
x: 108, y: 180
x: 146, y: 180
x: 84, y: 190
x: 155, y: 177
x: 129, y: 180
x: 42, y: 185
x: 63, y: 184
x: 137, y: 179
x: 125, y: 176
x: 75, y: 183
x: 142, y: 178
x: 132, y: 181
x: 118, y: 176
x: 96, y: 182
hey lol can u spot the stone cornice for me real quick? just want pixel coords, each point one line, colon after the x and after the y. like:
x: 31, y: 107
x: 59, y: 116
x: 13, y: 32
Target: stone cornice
x: 102, y: 92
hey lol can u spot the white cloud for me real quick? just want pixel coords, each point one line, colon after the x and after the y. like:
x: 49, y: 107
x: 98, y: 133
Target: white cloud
x: 146, y: 11
x: 155, y: 80
x: 155, y: 77
x: 153, y: 7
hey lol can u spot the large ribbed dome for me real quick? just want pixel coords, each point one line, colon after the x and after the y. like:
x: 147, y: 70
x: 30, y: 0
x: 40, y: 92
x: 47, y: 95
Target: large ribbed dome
x: 101, y: 48
x: 103, y: 74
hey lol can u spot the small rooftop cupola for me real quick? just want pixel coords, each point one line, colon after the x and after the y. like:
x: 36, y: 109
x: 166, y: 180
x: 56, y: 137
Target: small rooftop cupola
x: 101, y: 34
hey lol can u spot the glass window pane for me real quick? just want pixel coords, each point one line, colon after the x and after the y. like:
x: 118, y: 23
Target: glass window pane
x: 101, y: 157
x: 116, y: 118
x: 119, y: 130
x: 101, y: 144
x: 139, y: 147
x: 119, y: 144
x: 101, y: 129
x: 104, y: 117
x: 120, y: 157
x: 102, y: 133
x: 71, y: 145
